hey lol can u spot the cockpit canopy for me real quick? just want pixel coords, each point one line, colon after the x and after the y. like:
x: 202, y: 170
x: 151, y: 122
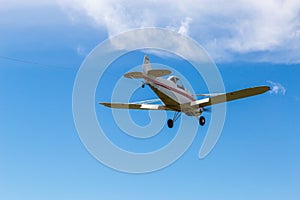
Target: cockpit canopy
x: 177, y: 81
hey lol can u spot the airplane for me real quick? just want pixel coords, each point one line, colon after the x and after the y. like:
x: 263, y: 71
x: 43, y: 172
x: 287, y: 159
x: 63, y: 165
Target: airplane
x: 175, y: 97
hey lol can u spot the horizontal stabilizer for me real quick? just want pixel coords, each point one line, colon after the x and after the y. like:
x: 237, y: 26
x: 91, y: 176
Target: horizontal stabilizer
x: 134, y: 75
x: 135, y: 106
x: 152, y: 72
x: 159, y: 72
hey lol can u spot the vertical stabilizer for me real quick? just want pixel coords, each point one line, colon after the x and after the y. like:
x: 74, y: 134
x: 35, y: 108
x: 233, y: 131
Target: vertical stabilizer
x: 146, y: 65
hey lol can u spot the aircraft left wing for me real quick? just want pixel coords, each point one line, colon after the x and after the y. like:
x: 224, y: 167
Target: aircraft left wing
x: 135, y: 106
x: 230, y: 96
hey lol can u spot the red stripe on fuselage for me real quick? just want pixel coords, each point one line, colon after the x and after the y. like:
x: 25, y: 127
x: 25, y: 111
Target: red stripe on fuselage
x: 170, y: 88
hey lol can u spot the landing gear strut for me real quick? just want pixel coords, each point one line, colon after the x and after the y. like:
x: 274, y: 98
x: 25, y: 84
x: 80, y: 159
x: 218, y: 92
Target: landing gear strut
x: 170, y: 122
x: 202, y: 121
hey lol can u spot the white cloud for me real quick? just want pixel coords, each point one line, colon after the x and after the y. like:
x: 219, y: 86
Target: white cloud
x: 225, y: 29
x: 277, y: 88
x: 162, y: 39
x: 184, y: 27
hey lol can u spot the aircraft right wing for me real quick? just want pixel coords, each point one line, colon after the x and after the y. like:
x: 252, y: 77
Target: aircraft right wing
x: 230, y: 96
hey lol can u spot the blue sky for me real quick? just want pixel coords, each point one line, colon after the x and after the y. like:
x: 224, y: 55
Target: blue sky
x: 41, y: 155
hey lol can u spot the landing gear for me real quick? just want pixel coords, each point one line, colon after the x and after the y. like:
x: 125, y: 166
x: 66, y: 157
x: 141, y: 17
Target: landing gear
x: 202, y: 121
x: 143, y: 85
x: 170, y: 122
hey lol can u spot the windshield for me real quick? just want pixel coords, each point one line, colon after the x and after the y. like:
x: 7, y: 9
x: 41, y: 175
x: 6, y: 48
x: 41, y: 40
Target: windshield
x: 177, y: 81
x: 179, y: 84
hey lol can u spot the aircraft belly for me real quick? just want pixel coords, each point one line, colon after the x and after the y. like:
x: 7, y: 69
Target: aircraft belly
x: 178, y: 97
x: 171, y: 99
x: 168, y: 101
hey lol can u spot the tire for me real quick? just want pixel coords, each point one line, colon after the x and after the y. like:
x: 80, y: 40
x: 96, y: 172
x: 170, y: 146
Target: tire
x: 170, y: 123
x: 202, y: 121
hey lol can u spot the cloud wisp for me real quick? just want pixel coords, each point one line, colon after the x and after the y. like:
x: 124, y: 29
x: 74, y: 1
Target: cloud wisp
x: 277, y: 88
x: 228, y: 31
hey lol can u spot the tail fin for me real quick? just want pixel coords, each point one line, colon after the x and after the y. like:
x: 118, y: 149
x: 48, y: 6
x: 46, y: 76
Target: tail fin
x: 146, y: 65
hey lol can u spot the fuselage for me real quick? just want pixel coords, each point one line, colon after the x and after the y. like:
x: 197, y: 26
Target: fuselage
x: 172, y: 95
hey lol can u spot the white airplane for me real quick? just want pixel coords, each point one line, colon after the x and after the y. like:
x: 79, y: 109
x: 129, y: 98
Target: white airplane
x: 175, y: 97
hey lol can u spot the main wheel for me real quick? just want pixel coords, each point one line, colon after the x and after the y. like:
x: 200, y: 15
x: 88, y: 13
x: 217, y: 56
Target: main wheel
x: 170, y: 123
x: 202, y: 121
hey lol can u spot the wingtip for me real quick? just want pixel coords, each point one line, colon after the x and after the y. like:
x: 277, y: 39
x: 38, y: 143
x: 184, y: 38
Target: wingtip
x: 266, y: 88
x: 263, y: 88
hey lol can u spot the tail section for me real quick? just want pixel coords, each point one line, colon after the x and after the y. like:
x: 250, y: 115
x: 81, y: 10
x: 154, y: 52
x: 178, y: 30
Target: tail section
x: 146, y: 65
x: 147, y: 70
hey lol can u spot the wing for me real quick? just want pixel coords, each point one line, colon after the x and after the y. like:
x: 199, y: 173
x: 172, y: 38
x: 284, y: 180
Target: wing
x: 230, y: 96
x: 135, y: 106
x: 207, y: 95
